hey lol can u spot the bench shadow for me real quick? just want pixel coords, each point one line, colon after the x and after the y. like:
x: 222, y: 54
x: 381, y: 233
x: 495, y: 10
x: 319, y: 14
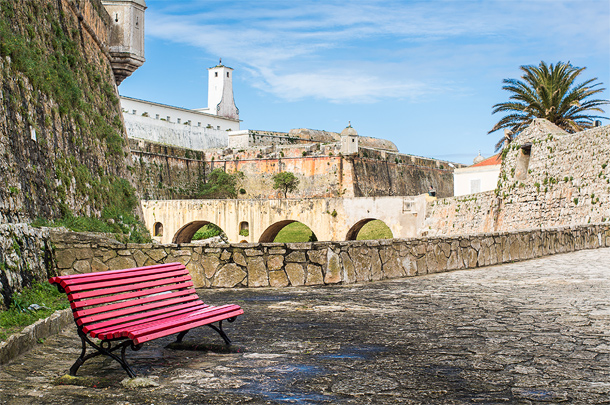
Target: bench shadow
x: 205, y: 347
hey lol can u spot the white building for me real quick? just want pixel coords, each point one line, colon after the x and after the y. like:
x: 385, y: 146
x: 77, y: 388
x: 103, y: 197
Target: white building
x: 481, y: 176
x: 194, y: 129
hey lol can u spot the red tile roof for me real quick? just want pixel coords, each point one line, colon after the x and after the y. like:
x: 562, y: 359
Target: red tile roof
x: 490, y: 161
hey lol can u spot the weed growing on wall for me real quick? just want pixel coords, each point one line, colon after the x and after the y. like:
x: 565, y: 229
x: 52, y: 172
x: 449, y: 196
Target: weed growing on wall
x: 20, y: 312
x: 63, y: 87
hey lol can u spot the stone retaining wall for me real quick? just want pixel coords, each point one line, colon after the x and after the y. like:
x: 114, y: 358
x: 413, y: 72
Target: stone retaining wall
x: 564, y: 180
x: 24, y: 254
x: 319, y: 263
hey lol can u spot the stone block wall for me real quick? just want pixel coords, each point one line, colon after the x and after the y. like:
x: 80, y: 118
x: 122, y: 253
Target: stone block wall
x: 24, y: 258
x: 62, y: 143
x: 320, y: 263
x: 565, y: 181
x: 165, y: 172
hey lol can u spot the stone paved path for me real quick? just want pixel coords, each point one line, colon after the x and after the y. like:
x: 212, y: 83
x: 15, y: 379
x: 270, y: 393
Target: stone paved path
x: 529, y: 332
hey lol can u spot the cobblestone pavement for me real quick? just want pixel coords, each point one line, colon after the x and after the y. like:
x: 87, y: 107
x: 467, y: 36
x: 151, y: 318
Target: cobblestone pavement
x: 528, y: 332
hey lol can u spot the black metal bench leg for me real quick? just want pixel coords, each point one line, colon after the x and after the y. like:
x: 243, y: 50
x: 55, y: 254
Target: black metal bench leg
x: 181, y: 336
x: 107, y: 351
x: 221, y: 332
x: 81, y: 359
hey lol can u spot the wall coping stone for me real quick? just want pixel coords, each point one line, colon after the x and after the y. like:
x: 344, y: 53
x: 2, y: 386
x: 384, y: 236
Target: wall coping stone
x: 30, y: 335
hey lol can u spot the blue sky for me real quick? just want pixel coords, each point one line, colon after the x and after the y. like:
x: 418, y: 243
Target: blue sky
x: 423, y: 74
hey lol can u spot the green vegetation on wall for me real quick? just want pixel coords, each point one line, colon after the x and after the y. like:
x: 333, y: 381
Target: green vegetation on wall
x: 20, y: 312
x: 62, y: 118
x: 219, y: 184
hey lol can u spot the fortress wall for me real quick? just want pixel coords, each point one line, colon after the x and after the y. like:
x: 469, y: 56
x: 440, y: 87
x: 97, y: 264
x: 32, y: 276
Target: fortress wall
x: 166, y: 172
x: 24, y: 258
x: 322, y: 171
x: 320, y: 263
x: 378, y: 172
x: 61, y: 133
x: 319, y: 176
x: 171, y: 133
x: 566, y: 183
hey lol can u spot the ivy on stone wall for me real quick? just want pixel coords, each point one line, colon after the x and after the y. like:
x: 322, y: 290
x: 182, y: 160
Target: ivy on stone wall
x: 57, y: 89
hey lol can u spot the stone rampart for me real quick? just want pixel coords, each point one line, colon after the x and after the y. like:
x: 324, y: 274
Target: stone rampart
x: 166, y: 172
x: 319, y: 263
x: 548, y: 178
x: 61, y: 131
x: 24, y: 258
x: 184, y: 135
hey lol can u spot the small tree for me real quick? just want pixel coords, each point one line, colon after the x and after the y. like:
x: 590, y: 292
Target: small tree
x: 219, y: 184
x: 285, y: 181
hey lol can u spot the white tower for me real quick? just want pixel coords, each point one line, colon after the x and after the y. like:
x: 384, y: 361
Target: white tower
x: 220, y: 92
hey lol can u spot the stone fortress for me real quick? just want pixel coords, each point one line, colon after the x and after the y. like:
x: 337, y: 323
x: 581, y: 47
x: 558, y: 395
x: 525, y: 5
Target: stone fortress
x: 553, y: 194
x: 175, y: 147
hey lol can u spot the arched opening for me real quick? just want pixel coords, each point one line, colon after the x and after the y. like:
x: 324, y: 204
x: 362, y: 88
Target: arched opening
x: 198, y: 230
x: 288, y: 231
x: 158, y: 229
x: 369, y: 228
x: 244, y: 228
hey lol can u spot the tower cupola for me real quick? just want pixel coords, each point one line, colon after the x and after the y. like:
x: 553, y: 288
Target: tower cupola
x: 127, y: 36
x: 349, y: 140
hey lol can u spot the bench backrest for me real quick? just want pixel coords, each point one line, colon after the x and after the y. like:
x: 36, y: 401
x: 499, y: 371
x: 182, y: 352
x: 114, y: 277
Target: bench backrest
x: 112, y: 298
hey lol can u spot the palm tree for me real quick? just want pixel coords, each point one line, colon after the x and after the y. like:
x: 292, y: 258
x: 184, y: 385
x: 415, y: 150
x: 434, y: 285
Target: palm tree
x: 549, y: 92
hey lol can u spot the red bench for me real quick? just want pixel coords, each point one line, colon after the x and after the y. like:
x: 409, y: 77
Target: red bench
x: 126, y: 308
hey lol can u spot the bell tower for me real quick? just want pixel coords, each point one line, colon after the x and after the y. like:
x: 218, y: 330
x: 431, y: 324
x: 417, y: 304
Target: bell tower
x: 220, y: 92
x: 127, y: 36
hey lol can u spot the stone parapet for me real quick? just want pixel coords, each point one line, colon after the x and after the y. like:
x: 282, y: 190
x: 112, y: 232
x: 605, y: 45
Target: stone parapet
x: 23, y: 258
x: 548, y: 178
x: 324, y: 263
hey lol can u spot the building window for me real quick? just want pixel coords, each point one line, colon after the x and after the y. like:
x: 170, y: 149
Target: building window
x: 218, y: 127
x: 133, y: 112
x: 156, y: 116
x: 179, y: 120
x: 227, y: 74
x: 199, y: 124
x: 215, y: 74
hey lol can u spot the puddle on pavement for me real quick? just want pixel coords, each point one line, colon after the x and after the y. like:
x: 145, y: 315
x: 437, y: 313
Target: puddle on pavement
x: 356, y: 353
x: 276, y: 384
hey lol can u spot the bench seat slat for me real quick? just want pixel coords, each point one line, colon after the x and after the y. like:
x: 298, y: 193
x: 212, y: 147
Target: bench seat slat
x: 135, y: 303
x: 115, y: 331
x: 133, y: 311
x: 116, y: 324
x: 123, y: 281
x: 125, y: 288
x: 198, y: 313
x: 119, y: 297
x: 179, y: 328
x: 76, y: 278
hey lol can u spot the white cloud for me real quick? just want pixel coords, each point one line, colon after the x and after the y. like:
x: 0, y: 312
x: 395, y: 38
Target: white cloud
x: 322, y: 49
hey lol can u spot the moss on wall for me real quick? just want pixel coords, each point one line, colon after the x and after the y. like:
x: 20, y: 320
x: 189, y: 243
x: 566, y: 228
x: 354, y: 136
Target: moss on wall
x: 61, y: 130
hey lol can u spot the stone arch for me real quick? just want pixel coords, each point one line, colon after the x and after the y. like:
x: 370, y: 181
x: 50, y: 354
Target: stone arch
x: 158, y: 229
x: 271, y: 232
x: 352, y: 234
x: 186, y: 233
